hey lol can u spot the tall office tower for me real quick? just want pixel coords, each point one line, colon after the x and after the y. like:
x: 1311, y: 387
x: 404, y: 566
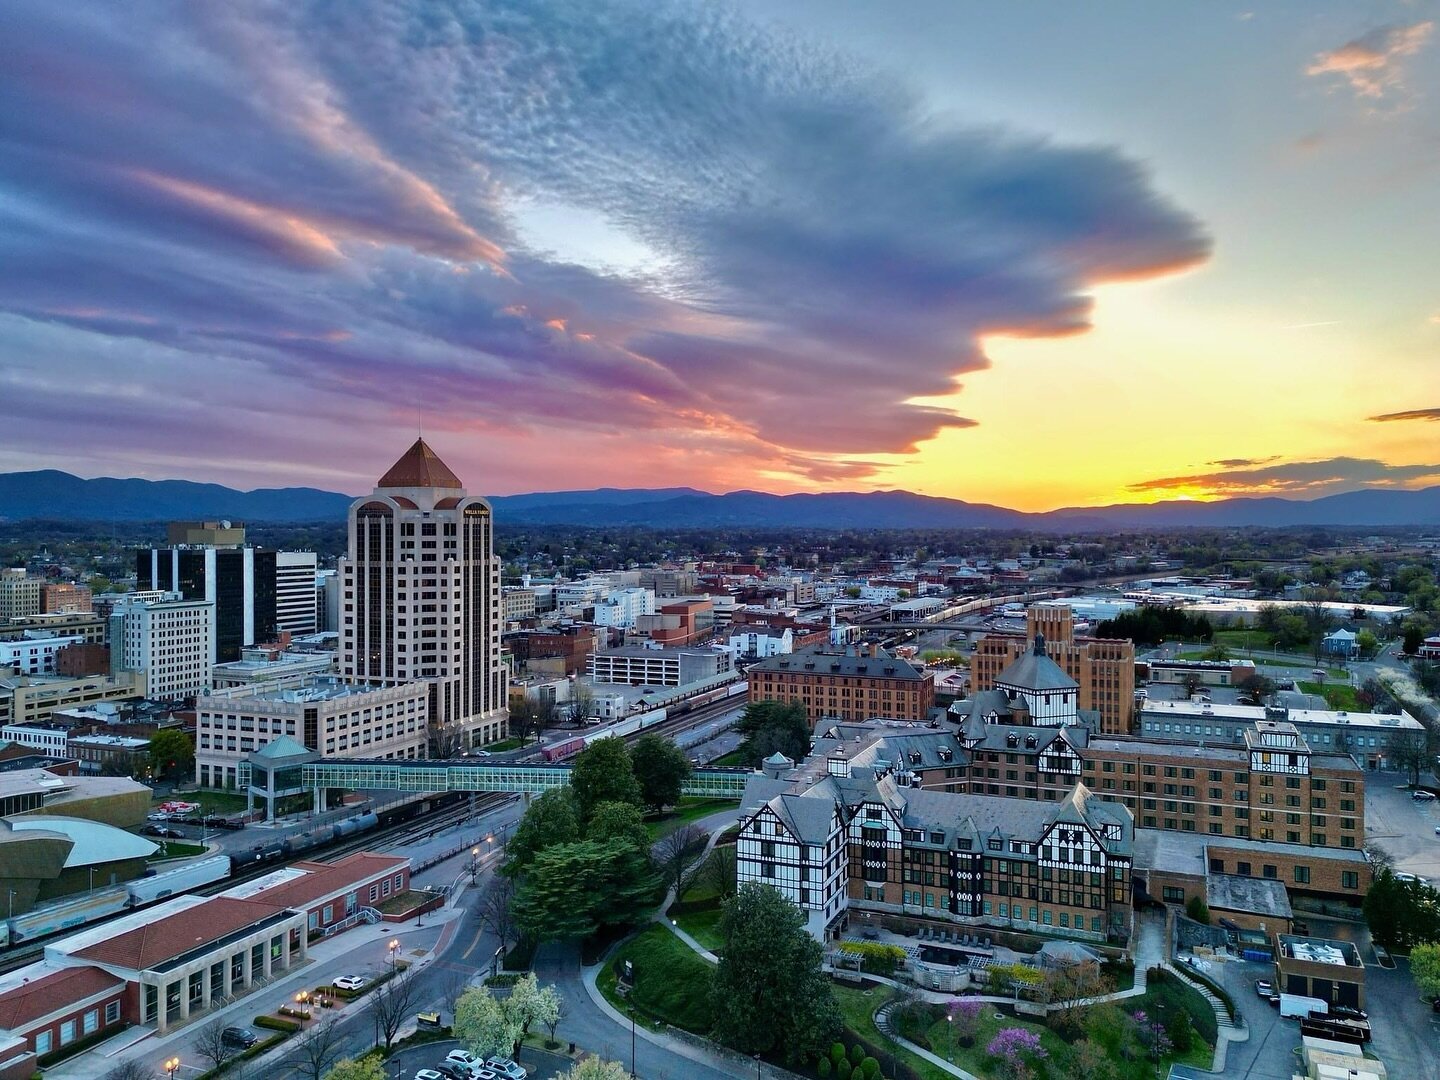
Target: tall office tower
x: 171, y: 640
x: 420, y: 597
x: 19, y: 594
x: 295, y: 592
x: 238, y: 580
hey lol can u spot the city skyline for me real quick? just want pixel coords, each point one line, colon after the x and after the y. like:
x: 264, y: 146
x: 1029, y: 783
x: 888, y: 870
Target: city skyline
x: 1098, y: 256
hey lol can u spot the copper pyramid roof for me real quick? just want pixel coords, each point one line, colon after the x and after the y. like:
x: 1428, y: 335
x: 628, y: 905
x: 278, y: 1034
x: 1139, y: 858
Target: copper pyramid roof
x: 420, y: 467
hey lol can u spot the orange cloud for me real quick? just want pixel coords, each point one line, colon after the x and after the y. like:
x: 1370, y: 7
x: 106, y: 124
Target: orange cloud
x: 1371, y: 64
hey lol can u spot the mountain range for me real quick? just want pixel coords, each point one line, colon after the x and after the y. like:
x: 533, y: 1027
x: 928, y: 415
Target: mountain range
x: 59, y: 495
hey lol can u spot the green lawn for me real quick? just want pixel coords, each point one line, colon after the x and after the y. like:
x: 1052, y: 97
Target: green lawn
x: 174, y: 849
x: 212, y: 802
x: 1339, y: 696
x: 501, y: 745
x: 703, y: 926
x: 858, y: 1008
x: 1289, y: 663
x: 690, y: 809
x: 672, y: 983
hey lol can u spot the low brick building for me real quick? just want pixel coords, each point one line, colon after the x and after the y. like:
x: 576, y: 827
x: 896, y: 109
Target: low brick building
x: 854, y: 684
x: 1320, y: 968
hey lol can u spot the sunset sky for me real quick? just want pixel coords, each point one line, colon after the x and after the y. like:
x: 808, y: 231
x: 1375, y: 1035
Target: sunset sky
x: 1035, y: 254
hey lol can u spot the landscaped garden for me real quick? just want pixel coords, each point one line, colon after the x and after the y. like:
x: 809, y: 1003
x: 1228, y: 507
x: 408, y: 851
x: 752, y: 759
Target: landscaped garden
x: 672, y: 982
x: 688, y: 809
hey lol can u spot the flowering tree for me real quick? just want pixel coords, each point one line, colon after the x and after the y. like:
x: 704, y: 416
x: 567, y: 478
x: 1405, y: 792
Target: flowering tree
x: 1017, y: 1048
x: 592, y: 1068
x: 965, y: 1018
x: 484, y: 1026
x: 1152, y: 1035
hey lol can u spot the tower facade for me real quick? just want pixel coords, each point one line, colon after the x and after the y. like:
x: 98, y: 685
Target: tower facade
x: 420, y: 598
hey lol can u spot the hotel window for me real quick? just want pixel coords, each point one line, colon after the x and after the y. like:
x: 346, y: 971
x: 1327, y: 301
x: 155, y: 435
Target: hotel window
x: 91, y: 1021
x: 67, y: 1032
x: 43, y: 1042
x: 112, y: 1012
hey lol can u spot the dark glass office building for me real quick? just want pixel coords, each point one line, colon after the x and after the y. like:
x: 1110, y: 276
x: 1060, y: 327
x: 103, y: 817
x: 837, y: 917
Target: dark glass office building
x: 239, y: 580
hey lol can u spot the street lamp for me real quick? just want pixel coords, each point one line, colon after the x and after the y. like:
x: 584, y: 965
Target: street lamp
x: 757, y: 1067
x: 394, y: 948
x: 302, y: 999
x: 171, y: 1065
x: 951, y: 1017
x: 474, y: 855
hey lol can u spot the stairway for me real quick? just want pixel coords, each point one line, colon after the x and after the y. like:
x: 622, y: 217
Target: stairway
x: 1225, y: 1027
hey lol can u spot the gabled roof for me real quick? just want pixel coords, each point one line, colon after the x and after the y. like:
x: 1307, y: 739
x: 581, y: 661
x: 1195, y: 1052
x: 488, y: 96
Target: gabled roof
x: 810, y: 820
x: 147, y: 946
x: 420, y: 467
x: 322, y: 880
x: 67, y: 987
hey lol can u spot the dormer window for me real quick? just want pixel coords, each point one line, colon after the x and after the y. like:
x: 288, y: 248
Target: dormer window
x: 1030, y: 742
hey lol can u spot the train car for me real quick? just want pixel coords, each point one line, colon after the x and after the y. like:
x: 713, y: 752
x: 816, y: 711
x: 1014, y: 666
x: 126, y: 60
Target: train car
x: 308, y: 841
x: 354, y: 825
x: 69, y: 913
x: 266, y: 852
x: 183, y: 879
x: 561, y: 751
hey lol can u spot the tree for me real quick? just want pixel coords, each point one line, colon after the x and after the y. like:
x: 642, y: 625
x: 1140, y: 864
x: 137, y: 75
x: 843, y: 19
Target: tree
x: 1425, y: 969
x: 172, y: 754
x: 676, y: 851
x: 771, y: 726
x: 571, y: 890
x: 456, y: 981
x: 1217, y: 652
x: 618, y: 821
x: 1257, y: 689
x: 1068, y: 988
x: 582, y: 702
x: 211, y: 1045
x: 593, y: 1068
x: 768, y: 991
x: 131, y: 1070
x: 446, y: 741
x: 1016, y: 1048
x: 1401, y: 914
x: 719, y: 871
x: 497, y: 913
x: 524, y: 1001
x: 316, y: 1050
x: 661, y: 768
x: 550, y: 1009
x: 1367, y: 643
x: 483, y: 1025
x: 1413, y: 639
x: 1197, y: 909
x: 529, y: 718
x: 602, y: 773
x: 1089, y: 1061
x: 365, y: 1068
x: 553, y: 818
x: 1408, y: 753
x: 391, y: 1004
x: 965, y: 1019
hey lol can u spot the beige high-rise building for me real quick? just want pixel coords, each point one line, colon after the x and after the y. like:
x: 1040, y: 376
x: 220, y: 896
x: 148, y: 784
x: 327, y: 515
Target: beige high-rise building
x: 19, y: 594
x: 420, y: 597
x: 1104, y: 667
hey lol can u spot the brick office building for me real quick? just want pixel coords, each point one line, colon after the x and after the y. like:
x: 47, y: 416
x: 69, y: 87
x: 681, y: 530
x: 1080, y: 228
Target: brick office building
x: 1103, y: 668
x: 854, y: 684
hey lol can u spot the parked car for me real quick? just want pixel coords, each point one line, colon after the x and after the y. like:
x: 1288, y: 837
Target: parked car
x: 1401, y: 876
x: 242, y: 1037
x: 1266, y: 989
x: 1300, y: 928
x: 453, y: 1071
x: 349, y: 982
x: 1422, y: 796
x: 464, y: 1058
x: 428, y: 1074
x: 1345, y: 1012
x: 163, y: 831
x: 506, y: 1068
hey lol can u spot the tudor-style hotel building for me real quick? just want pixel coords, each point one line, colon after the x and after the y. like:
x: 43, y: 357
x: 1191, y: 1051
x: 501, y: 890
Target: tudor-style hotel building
x: 420, y: 595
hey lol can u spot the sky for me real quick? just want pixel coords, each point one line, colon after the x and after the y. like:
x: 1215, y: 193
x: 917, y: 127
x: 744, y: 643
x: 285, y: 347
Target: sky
x: 1035, y: 254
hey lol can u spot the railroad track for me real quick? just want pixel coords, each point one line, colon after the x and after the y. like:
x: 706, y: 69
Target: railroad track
x: 431, y: 821
x: 678, y: 725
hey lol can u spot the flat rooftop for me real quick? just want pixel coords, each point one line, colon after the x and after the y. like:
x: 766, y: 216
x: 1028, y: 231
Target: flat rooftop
x: 319, y: 689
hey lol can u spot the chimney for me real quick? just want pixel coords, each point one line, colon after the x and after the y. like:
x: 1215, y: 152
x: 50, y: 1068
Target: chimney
x: 874, y: 649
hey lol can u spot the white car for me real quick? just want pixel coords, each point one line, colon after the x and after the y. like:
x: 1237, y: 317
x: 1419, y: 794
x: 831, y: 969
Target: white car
x: 464, y: 1058
x: 348, y: 982
x: 1411, y: 877
x: 428, y: 1074
x: 506, y: 1068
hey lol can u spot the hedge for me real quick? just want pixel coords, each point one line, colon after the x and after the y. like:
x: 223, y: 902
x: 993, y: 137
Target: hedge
x: 274, y: 1023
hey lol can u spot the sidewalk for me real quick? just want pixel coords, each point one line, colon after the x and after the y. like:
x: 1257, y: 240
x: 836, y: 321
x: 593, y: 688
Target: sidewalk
x: 419, y: 947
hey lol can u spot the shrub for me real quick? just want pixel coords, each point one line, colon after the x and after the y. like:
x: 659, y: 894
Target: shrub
x: 875, y: 958
x: 822, y: 1068
x: 1181, y: 1032
x: 1197, y: 909
x: 870, y: 1067
x: 837, y: 1053
x: 274, y: 1023
x: 842, y: 1071
x: 857, y: 1054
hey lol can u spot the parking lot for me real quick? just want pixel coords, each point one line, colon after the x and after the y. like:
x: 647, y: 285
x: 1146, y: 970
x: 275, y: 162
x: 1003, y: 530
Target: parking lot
x: 406, y: 1063
x: 1401, y: 827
